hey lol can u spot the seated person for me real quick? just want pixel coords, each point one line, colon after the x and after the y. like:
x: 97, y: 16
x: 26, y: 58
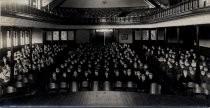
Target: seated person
x: 95, y: 76
x: 58, y: 72
x: 74, y: 76
x: 53, y: 78
x: 151, y: 79
x: 129, y: 76
x: 192, y: 75
x: 208, y: 81
x: 117, y: 76
x: 184, y: 80
x: 63, y: 78
x: 5, y: 73
x: 117, y: 79
x: 85, y: 76
x: 143, y: 84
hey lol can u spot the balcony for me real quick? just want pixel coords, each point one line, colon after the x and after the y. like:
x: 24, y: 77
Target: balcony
x: 133, y: 16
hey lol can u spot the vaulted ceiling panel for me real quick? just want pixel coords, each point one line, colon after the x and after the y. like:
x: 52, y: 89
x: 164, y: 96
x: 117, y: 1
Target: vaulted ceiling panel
x: 103, y: 3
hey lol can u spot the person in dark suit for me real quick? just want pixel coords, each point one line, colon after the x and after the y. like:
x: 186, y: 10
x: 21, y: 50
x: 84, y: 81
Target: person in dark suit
x: 138, y: 80
x: 129, y: 76
x: 151, y: 79
x: 95, y: 76
x: 5, y: 62
x: 144, y: 84
x: 54, y: 78
x: 63, y: 77
x: 75, y: 76
x: 192, y: 74
x: 85, y: 80
x: 185, y: 78
x: 107, y: 76
x: 183, y: 81
x: 118, y: 80
x: 58, y: 73
x: 117, y: 76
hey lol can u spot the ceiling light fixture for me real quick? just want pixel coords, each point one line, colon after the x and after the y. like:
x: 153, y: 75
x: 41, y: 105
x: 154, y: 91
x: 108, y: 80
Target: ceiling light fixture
x: 104, y: 30
x: 104, y: 2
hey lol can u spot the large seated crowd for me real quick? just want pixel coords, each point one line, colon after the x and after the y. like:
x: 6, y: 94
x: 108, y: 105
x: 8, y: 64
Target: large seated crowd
x: 181, y: 69
x: 114, y: 66
x: 29, y: 68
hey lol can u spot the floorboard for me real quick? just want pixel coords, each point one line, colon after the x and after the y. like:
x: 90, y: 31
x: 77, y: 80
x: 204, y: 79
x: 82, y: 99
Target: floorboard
x: 107, y: 98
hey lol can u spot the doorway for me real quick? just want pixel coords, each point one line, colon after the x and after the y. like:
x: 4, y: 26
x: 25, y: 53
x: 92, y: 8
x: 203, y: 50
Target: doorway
x: 104, y: 36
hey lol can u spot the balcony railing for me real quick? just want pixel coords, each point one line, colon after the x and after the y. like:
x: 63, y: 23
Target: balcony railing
x: 187, y: 7
x: 182, y: 8
x: 28, y: 12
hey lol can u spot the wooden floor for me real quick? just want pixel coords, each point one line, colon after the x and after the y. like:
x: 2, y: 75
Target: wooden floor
x: 108, y: 98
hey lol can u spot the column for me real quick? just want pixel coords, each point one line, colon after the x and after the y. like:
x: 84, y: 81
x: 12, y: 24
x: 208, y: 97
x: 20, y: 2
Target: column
x: 156, y: 33
x: 165, y: 37
x: 18, y: 37
x: 104, y: 37
x: 12, y: 55
x: 197, y: 49
x: 178, y: 35
x: 133, y: 35
x: 150, y: 39
x: 141, y: 34
x: 30, y: 46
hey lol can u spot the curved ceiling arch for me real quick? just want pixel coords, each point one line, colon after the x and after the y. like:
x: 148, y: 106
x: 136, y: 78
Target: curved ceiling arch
x: 103, y: 3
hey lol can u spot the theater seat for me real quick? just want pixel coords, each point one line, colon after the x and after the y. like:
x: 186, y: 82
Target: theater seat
x: 95, y: 86
x: 31, y: 79
x: 19, y: 84
x: 130, y: 86
x: 25, y: 80
x: 20, y: 87
x: 207, y: 92
x: 205, y: 89
x: 9, y: 91
x: 155, y: 89
x: 63, y: 87
x: 19, y: 77
x: 199, y: 92
x: 118, y: 86
x: 107, y: 86
x: 84, y: 86
x: 52, y: 88
x: 74, y: 86
x: 1, y: 91
x: 26, y: 83
x: 190, y: 88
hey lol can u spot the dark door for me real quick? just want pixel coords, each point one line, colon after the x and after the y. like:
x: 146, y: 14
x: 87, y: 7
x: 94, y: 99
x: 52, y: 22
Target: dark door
x: 99, y: 38
x: 103, y: 37
x: 109, y: 37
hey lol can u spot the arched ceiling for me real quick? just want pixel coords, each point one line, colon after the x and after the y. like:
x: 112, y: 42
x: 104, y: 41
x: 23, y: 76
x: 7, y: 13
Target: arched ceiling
x: 103, y: 3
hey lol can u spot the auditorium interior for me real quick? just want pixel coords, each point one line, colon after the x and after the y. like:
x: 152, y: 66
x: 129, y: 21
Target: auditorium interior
x: 95, y: 53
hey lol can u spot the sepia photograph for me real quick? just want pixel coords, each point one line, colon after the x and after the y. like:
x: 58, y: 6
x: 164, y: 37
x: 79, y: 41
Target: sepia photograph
x: 105, y: 53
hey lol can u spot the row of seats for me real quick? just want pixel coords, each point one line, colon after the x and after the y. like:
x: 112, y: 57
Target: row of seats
x: 74, y: 86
